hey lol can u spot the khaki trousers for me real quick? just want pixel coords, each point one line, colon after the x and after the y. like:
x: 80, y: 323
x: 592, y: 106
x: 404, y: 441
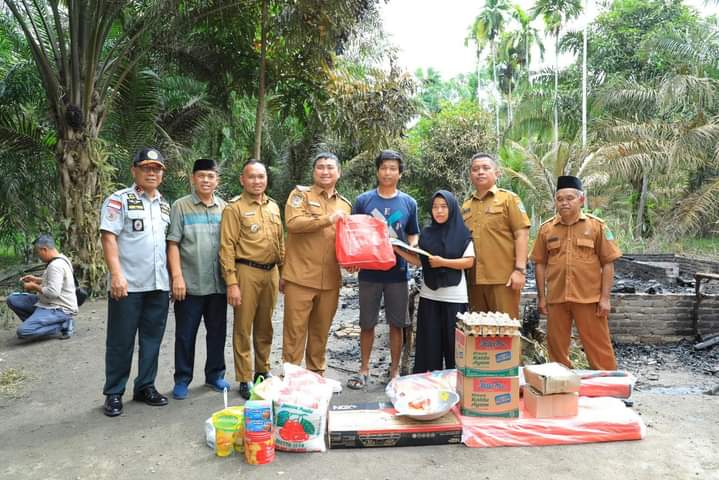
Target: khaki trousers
x: 494, y: 298
x: 308, y: 315
x: 593, y: 331
x: 253, y: 319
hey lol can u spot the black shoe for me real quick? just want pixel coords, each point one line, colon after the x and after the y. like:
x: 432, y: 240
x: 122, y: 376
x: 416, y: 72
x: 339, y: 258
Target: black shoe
x: 113, y: 405
x: 264, y: 376
x: 244, y: 390
x: 150, y: 396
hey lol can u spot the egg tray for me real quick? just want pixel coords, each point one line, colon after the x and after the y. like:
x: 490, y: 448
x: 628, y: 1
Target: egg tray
x: 490, y: 324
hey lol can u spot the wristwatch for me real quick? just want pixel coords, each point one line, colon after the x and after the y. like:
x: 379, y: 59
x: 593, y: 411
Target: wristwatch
x: 523, y: 271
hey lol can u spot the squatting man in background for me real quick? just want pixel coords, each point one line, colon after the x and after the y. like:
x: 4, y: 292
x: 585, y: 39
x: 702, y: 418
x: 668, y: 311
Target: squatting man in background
x: 49, y: 304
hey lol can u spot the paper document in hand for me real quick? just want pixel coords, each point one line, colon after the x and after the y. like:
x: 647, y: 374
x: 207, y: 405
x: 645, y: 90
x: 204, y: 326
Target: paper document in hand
x: 405, y: 246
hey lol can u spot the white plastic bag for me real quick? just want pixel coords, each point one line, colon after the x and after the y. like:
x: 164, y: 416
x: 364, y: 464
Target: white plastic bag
x: 300, y: 410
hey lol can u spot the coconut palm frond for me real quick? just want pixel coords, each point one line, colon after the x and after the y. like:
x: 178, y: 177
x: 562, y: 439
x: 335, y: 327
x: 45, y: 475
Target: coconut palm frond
x: 630, y: 160
x: 132, y: 115
x: 699, y: 211
x: 681, y: 92
x: 21, y: 132
x: 694, y: 148
x: 705, y: 53
x: 638, y: 132
x: 632, y: 96
x: 596, y: 181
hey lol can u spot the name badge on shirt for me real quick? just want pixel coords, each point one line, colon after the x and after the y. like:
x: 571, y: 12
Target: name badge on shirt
x: 314, y: 204
x: 138, y: 225
x: 249, y: 214
x: 134, y: 203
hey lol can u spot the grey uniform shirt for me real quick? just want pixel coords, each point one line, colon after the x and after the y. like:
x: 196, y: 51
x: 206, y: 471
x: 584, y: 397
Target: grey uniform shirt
x: 140, y: 224
x: 196, y: 229
x: 58, y: 287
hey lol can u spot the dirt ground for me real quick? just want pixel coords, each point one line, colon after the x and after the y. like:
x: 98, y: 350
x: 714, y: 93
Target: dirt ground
x: 53, y: 426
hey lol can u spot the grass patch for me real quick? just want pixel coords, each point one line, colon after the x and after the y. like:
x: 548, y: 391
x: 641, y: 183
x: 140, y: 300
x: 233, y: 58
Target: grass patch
x: 707, y: 247
x: 11, y: 382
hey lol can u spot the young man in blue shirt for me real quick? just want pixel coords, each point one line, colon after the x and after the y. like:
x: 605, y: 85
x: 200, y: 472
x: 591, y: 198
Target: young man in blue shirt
x: 399, y: 210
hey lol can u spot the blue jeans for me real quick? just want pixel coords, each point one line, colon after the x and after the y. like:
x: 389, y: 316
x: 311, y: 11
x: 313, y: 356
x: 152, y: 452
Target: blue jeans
x: 188, y: 315
x: 37, y: 321
x: 142, y: 313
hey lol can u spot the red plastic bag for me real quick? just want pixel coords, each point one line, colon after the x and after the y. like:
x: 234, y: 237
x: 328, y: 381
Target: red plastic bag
x: 363, y: 241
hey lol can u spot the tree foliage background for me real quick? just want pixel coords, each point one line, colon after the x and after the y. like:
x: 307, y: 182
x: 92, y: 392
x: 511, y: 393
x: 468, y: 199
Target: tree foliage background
x: 84, y: 84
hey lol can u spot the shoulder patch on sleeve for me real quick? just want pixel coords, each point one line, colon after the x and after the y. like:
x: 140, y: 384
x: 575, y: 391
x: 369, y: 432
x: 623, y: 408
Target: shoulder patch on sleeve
x: 608, y: 233
x: 296, y: 199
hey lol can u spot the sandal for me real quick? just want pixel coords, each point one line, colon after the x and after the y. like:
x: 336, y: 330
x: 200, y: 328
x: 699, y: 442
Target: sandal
x: 357, y: 381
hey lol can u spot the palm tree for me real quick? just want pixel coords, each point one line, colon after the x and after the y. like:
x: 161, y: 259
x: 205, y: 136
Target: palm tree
x: 584, y: 80
x: 543, y: 163
x: 528, y: 36
x: 85, y: 52
x: 485, y: 30
x: 664, y: 134
x: 515, y: 55
x: 261, y: 82
x: 555, y: 14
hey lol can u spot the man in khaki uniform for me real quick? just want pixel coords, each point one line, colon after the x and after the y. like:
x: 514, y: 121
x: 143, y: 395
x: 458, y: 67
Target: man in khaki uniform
x: 574, y: 255
x: 500, y: 232
x: 252, y: 250
x: 311, y: 272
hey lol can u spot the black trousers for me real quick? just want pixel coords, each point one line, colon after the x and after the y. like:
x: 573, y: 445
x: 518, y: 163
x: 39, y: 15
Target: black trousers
x: 142, y: 313
x: 434, y: 345
x: 188, y: 315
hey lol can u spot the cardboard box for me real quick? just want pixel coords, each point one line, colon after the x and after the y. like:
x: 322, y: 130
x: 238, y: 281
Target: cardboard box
x: 551, y: 378
x: 497, y: 356
x: 547, y: 406
x: 376, y: 425
x: 488, y: 396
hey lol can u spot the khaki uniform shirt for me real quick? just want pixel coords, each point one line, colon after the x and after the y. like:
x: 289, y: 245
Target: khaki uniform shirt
x: 493, y: 219
x: 311, y: 259
x: 574, y: 256
x: 250, y: 230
